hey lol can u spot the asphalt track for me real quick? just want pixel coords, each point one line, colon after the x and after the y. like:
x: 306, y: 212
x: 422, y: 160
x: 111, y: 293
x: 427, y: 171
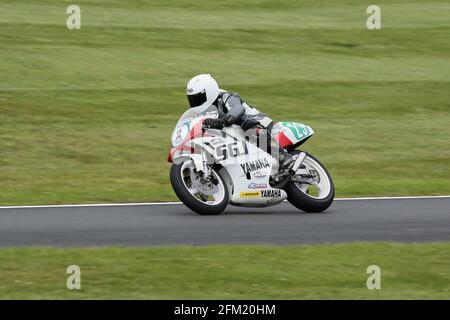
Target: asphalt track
x: 405, y: 220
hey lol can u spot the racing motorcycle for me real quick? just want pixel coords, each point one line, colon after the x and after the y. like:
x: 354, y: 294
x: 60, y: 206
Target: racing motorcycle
x: 213, y: 168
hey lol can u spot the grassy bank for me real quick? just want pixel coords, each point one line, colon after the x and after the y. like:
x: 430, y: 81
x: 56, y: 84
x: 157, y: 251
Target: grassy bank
x: 408, y: 271
x: 86, y: 115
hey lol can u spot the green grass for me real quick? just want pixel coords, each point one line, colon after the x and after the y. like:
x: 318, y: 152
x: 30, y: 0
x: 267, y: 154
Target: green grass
x: 86, y: 115
x: 408, y: 271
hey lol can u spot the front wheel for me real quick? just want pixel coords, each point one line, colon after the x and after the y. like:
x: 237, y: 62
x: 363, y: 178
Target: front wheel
x: 311, y: 188
x: 203, y: 196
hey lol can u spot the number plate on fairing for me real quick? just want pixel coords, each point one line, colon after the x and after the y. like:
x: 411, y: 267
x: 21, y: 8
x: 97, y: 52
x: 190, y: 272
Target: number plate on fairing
x: 293, y: 131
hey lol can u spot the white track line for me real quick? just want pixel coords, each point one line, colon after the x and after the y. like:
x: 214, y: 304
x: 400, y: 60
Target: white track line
x: 91, y: 205
x: 171, y: 203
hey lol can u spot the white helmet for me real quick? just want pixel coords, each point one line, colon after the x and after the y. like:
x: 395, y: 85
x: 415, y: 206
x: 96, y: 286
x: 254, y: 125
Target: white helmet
x: 202, y: 91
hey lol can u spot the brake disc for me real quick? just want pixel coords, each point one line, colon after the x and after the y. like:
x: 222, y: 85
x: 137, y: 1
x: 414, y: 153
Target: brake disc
x: 202, y: 185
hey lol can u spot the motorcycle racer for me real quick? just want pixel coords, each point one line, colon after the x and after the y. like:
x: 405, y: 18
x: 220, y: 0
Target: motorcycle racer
x: 203, y: 91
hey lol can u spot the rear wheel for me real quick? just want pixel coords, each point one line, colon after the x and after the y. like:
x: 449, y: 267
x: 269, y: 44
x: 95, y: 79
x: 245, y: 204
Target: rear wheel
x: 311, y: 188
x: 203, y: 195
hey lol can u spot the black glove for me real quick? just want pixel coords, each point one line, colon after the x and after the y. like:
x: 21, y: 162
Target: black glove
x: 213, y: 123
x: 249, y: 123
x: 229, y: 119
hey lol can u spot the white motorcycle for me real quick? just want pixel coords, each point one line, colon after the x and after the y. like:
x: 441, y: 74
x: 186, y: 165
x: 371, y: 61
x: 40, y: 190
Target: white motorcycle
x: 214, y: 168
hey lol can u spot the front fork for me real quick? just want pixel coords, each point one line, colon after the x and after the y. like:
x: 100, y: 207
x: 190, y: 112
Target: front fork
x: 203, y: 169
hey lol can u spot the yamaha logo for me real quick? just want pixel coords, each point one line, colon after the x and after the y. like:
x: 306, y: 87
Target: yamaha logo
x: 255, y: 165
x: 270, y: 193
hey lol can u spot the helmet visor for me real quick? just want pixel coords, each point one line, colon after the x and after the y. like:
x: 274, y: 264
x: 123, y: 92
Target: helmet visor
x: 197, y: 99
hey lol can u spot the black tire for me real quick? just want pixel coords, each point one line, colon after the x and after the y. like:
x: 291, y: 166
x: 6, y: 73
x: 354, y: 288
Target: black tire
x: 302, y: 201
x: 189, y: 200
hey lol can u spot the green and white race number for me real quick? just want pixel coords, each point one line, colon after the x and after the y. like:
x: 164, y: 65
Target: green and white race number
x: 298, y: 130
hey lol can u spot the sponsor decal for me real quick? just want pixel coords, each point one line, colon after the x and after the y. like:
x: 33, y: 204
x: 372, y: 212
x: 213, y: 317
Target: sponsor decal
x: 257, y: 185
x: 259, y: 175
x: 250, y: 194
x: 255, y: 165
x: 231, y: 150
x: 270, y: 193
